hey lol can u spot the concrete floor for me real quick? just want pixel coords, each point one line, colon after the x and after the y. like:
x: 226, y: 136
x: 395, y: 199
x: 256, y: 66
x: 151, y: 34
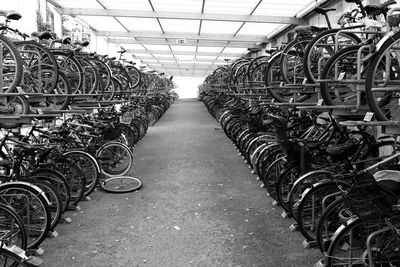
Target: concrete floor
x: 199, y: 206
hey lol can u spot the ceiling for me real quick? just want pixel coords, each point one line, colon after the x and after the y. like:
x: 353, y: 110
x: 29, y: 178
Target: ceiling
x: 185, y: 37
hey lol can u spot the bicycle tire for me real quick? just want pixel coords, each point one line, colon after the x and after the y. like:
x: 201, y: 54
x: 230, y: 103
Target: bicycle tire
x: 13, y: 59
x: 35, y: 233
x: 124, y: 184
x: 112, y: 150
x: 310, y: 64
x: 72, y: 68
x: 384, y: 103
x: 14, y: 106
x: 341, y: 246
x: 12, y: 227
x: 90, y: 167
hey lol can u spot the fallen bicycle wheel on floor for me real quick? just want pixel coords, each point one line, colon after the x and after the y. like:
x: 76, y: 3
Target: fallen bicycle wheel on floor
x: 121, y: 184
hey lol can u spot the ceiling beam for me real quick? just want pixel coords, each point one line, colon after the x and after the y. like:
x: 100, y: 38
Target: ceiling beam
x: 179, y: 15
x: 176, y: 67
x: 186, y: 36
x: 122, y: 41
x: 164, y: 52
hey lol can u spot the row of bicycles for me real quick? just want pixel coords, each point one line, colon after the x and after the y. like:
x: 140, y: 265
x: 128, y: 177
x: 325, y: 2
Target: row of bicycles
x: 352, y: 67
x: 69, y: 121
x: 317, y: 121
x: 41, y: 71
x: 336, y: 179
x: 47, y: 171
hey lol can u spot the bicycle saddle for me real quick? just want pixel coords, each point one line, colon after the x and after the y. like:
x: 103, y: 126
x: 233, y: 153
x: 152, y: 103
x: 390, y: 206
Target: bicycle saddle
x: 13, y: 15
x: 389, y: 180
x: 86, y: 43
x: 323, y: 11
x: 42, y: 35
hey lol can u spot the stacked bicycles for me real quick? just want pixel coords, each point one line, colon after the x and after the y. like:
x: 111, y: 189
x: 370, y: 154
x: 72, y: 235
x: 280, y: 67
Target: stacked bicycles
x: 317, y: 122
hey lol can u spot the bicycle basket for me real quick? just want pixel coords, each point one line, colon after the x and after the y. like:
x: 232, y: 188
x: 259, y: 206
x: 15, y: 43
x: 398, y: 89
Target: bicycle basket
x: 368, y: 201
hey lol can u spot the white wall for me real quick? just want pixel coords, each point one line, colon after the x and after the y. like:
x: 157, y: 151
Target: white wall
x: 187, y: 87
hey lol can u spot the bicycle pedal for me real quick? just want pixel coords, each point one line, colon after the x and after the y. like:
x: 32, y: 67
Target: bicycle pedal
x: 86, y: 198
x: 35, y: 252
x: 275, y: 203
x: 249, y: 167
x: 293, y: 227
x: 253, y: 172
x: 262, y: 185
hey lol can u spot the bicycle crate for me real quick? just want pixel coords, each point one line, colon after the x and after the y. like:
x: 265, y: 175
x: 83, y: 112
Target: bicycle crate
x: 367, y: 201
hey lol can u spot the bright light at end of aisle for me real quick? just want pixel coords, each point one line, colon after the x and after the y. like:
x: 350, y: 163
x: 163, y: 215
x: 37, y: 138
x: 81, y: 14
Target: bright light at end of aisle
x: 187, y: 87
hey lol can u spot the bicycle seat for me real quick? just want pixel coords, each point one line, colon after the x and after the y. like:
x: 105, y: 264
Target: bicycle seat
x: 387, y: 3
x: 66, y: 40
x: 323, y: 11
x: 389, y: 180
x: 121, y: 51
x: 86, y: 43
x: 42, y: 35
x: 13, y: 15
x: 372, y: 10
x: 306, y: 29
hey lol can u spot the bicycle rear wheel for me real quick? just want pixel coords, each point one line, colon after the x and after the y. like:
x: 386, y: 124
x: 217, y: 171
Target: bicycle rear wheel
x: 121, y: 184
x: 12, y: 66
x: 12, y: 228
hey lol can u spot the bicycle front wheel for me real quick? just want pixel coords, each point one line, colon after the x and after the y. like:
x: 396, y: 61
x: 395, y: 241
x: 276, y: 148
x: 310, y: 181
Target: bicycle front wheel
x: 115, y: 158
x: 121, y: 184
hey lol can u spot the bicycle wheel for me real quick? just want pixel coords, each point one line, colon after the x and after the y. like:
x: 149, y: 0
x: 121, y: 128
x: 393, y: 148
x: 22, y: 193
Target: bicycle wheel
x: 12, y: 66
x: 310, y: 207
x: 302, y: 184
x: 58, y: 180
x: 59, y: 98
x: 88, y: 165
x: 74, y: 176
x: 328, y: 223
x: 32, y: 206
x: 291, y: 61
x: 385, y: 245
x: 52, y: 195
x: 343, y: 63
x: 135, y: 76
x: 121, y: 184
x: 14, y: 106
x: 115, y: 159
x: 322, y: 47
x: 71, y: 67
x: 348, y: 247
x: 272, y: 174
x: 284, y: 183
x: 383, y: 80
x: 40, y: 65
x: 12, y: 228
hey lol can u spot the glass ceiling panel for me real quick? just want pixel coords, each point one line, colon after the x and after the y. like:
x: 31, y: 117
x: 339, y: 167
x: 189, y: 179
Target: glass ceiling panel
x: 234, y: 50
x: 133, y: 46
x: 184, y: 57
x: 230, y: 6
x: 143, y: 55
x: 127, y: 4
x: 79, y: 4
x: 166, y: 61
x: 140, y: 24
x: 150, y: 60
x: 163, y: 56
x: 177, y: 5
x: 252, y: 28
x: 183, y: 48
x: 158, y: 47
x: 209, y: 49
x: 206, y: 57
x: 224, y: 27
x: 180, y: 25
x: 101, y: 23
x: 281, y: 8
x: 203, y: 63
